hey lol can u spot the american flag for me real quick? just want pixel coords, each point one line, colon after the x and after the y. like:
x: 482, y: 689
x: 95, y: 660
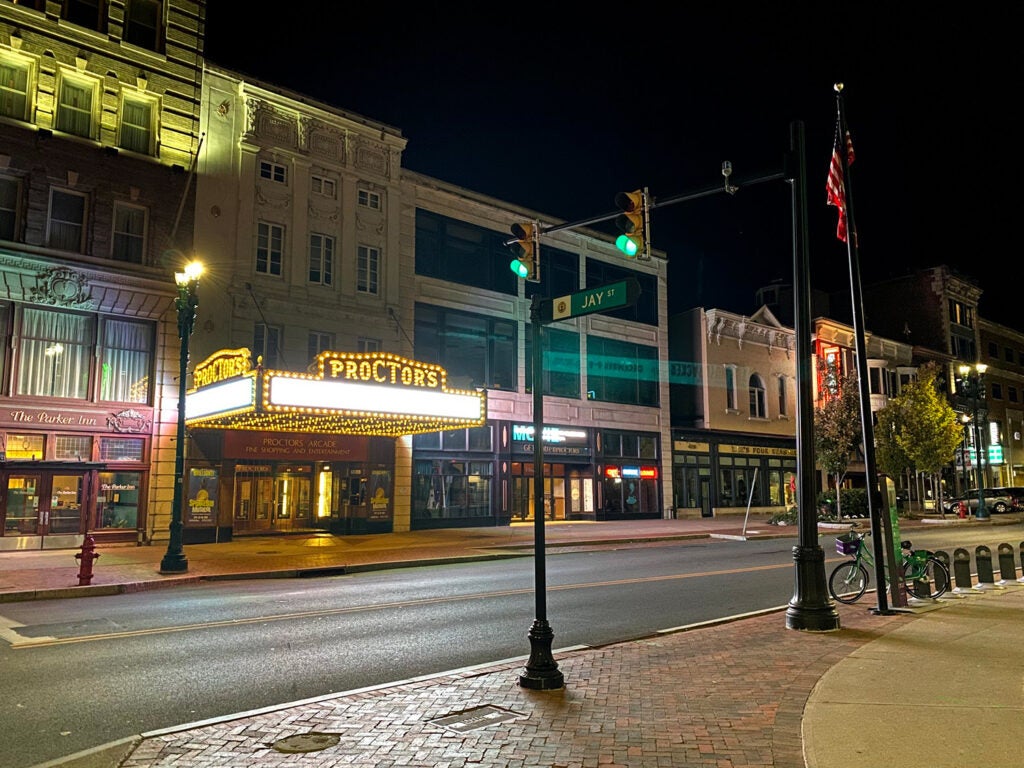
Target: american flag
x: 835, y: 187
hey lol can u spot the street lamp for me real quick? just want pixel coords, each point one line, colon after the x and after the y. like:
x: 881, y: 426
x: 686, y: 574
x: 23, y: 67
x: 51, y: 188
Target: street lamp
x: 966, y: 421
x: 974, y: 388
x: 186, y: 302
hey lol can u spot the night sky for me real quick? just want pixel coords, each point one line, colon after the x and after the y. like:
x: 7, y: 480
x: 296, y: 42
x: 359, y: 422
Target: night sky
x: 557, y: 111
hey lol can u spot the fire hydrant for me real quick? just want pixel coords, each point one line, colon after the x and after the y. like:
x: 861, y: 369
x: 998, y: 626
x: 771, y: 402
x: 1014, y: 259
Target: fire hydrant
x: 86, y: 556
x: 961, y: 510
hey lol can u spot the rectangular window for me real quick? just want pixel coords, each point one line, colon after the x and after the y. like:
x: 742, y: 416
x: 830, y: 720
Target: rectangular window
x: 318, y: 342
x: 25, y: 447
x: 66, y: 223
x: 561, y: 362
x: 756, y: 406
x: 993, y: 349
x: 368, y: 199
x: 1008, y: 354
x: 54, y: 354
x: 273, y: 171
x: 137, y: 126
x: 129, y: 240
x: 143, y: 24
x: 126, y: 361
x: 72, y: 448
x: 1011, y: 394
x: 74, y: 107
x: 86, y: 13
x: 269, y: 248
x: 367, y: 345
x: 730, y: 388
x: 997, y: 391
x: 266, y: 344
x: 10, y: 208
x: 783, y: 406
x: 324, y: 186
x: 121, y: 448
x: 476, y: 350
x: 367, y: 268
x: 321, y: 259
x: 621, y: 371
x: 14, y: 80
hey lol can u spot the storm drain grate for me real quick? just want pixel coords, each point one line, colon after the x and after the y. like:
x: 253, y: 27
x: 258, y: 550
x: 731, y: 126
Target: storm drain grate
x: 476, y: 718
x: 306, y: 742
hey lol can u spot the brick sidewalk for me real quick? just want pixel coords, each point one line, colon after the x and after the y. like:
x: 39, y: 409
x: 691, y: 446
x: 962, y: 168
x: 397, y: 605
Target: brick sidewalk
x: 730, y: 695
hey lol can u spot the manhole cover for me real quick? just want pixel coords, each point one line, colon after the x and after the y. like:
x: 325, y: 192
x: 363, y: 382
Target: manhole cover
x: 305, y: 742
x: 476, y: 718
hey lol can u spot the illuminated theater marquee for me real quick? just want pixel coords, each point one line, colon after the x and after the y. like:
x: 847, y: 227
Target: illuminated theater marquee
x: 371, y: 394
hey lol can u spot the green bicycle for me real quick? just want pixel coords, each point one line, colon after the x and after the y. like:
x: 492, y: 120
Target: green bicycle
x: 924, y: 575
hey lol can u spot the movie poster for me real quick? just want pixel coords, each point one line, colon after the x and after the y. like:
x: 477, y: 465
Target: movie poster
x: 380, y: 494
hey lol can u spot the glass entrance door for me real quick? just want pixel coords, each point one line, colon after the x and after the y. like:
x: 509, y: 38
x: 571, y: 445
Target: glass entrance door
x: 66, y: 503
x: 20, y: 509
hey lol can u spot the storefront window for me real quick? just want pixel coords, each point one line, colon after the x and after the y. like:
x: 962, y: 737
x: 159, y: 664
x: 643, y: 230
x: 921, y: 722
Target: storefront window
x: 452, y: 489
x: 117, y: 500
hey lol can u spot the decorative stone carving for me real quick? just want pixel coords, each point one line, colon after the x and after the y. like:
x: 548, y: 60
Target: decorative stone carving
x: 61, y: 287
x: 129, y: 421
x: 269, y: 200
x: 266, y: 122
x: 323, y: 140
x: 371, y: 157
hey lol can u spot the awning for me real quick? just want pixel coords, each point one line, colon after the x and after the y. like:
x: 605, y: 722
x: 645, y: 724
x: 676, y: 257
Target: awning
x: 349, y: 393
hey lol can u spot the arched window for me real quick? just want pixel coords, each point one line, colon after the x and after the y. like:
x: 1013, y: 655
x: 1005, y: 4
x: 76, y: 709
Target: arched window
x: 757, y: 400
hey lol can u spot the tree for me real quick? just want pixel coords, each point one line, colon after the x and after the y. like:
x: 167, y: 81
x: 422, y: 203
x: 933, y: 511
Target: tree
x: 837, y: 429
x: 918, y: 430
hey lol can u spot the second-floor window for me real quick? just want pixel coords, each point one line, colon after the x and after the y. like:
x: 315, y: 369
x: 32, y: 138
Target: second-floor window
x: 143, y: 24
x: 367, y: 270
x: 273, y: 171
x: 66, y: 224
x: 757, y: 399
x: 269, y: 248
x: 129, y: 239
x: 14, y: 79
x: 318, y: 342
x: 10, y: 208
x: 321, y: 259
x: 321, y: 185
x: 266, y: 344
x: 730, y: 388
x: 75, y: 107
x: 136, y: 126
x: 783, y: 406
x: 368, y: 199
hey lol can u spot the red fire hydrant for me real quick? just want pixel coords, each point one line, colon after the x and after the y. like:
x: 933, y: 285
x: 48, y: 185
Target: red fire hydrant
x: 86, y: 556
x: 961, y: 510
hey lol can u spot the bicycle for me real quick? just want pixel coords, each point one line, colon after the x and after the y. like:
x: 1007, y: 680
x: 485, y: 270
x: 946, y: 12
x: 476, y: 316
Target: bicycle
x: 923, y: 574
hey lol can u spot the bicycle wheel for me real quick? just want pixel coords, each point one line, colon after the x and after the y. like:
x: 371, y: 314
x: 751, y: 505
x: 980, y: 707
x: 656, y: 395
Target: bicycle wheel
x: 932, y: 576
x: 848, y: 581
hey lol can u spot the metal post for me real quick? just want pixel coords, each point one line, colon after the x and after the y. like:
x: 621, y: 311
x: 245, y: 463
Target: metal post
x: 810, y: 608
x: 541, y: 672
x: 174, y: 560
x: 979, y: 451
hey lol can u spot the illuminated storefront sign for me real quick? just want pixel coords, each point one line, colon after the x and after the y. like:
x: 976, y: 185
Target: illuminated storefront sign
x: 366, y: 394
x: 644, y: 473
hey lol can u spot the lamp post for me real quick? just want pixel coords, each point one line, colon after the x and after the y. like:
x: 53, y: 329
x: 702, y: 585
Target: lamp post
x: 974, y: 388
x: 174, y: 560
x: 966, y: 421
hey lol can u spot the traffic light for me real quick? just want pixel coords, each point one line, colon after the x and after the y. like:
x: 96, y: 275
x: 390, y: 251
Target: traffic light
x: 524, y: 250
x: 632, y: 222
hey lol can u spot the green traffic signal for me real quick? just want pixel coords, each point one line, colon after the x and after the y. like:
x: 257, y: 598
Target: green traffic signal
x: 631, y: 222
x: 524, y: 265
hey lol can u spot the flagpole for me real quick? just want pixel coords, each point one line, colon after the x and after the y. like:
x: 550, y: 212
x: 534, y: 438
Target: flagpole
x: 867, y: 428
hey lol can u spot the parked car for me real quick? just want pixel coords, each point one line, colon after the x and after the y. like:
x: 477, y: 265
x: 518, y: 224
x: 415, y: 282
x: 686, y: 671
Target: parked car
x: 1017, y: 494
x: 997, y: 501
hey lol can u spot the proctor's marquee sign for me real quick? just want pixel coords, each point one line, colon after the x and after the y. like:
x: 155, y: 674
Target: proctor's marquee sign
x: 363, y: 394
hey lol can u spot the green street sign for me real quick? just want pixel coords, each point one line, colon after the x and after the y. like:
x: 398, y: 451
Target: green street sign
x: 604, y: 298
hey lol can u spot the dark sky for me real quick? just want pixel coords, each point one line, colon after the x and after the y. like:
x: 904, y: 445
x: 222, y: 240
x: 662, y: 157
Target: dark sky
x: 558, y: 110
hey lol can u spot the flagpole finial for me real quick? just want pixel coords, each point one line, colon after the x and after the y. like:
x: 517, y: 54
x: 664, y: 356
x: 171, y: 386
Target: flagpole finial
x: 838, y: 87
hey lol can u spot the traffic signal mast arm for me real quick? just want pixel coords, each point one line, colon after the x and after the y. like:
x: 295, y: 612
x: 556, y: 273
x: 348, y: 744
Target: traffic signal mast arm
x: 653, y: 202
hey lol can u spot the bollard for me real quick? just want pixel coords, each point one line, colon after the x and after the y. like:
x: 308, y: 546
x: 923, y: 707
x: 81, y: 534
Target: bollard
x: 1007, y: 570
x: 1021, y: 579
x: 962, y: 571
x: 983, y: 565
x: 942, y: 578
x: 86, y: 556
